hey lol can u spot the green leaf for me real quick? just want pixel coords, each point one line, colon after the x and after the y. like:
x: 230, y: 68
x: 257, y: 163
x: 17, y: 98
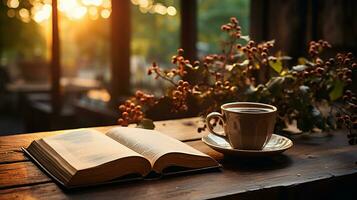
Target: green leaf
x: 304, y: 89
x: 230, y: 67
x: 245, y: 37
x: 337, y: 90
x: 285, y: 58
x: 251, y: 89
x: 275, y: 85
x: 302, y: 61
x: 299, y: 68
x: 318, y: 119
x: 276, y: 65
x: 271, y: 42
x: 244, y: 63
x: 146, y: 124
x: 331, y: 122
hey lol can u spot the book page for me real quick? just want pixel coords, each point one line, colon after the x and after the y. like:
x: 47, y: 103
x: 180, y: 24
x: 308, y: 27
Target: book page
x: 154, y: 145
x: 84, y: 149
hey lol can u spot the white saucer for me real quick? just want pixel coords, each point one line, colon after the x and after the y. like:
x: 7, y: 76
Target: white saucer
x: 276, y: 145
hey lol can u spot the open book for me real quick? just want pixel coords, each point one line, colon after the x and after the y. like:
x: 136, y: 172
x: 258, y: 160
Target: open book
x: 87, y: 157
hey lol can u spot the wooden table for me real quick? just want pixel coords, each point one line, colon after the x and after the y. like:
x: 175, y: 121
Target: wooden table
x: 320, y: 167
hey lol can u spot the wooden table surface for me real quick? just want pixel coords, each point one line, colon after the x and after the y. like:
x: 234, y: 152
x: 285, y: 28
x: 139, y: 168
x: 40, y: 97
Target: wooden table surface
x: 314, y: 167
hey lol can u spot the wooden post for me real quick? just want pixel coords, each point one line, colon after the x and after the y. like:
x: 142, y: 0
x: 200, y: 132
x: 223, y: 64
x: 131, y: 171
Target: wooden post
x: 55, y: 63
x: 188, y: 35
x: 120, y: 49
x: 258, y: 20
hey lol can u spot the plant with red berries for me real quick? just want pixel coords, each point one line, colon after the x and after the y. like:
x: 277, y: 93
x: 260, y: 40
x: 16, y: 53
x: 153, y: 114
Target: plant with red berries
x: 248, y: 71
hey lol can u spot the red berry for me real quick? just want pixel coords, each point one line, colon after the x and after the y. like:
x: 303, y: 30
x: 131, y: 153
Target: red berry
x: 121, y: 107
x: 320, y: 70
x: 138, y: 107
x: 125, y: 114
x: 349, y: 81
x: 348, y: 92
x: 180, y: 51
x: 139, y: 93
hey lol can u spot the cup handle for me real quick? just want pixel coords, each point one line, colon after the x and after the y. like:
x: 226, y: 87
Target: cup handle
x: 209, y: 125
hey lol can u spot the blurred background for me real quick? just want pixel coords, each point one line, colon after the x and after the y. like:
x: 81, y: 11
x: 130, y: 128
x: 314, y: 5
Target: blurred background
x: 69, y: 63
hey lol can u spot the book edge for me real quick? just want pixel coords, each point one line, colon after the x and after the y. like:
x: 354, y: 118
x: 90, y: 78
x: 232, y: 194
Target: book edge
x: 66, y: 187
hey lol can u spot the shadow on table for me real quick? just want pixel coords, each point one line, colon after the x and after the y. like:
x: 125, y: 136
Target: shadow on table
x: 256, y: 163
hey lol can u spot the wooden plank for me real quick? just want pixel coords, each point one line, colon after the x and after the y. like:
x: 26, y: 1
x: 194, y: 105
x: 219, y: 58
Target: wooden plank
x: 188, y: 30
x: 42, y: 191
x: 161, y: 189
x: 55, y: 64
x: 182, y: 129
x: 120, y: 50
x: 20, y: 174
x: 304, y: 163
x: 310, y: 163
x: 237, y: 179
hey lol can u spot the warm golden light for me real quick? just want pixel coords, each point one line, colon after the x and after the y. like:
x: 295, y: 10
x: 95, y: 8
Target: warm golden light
x: 11, y: 13
x: 13, y: 3
x: 99, y: 95
x: 107, y: 4
x: 160, y: 9
x: 72, y: 9
x: 144, y: 3
x: 171, y: 11
x: 77, y: 12
x: 135, y: 2
x: 41, y: 13
x: 24, y: 15
x: 93, y: 13
x: 67, y: 5
x: 92, y: 2
x: 77, y: 9
x: 105, y: 13
x: 148, y: 6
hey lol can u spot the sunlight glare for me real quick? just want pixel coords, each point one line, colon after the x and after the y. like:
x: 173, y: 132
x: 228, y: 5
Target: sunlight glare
x: 171, y: 11
x: 105, y: 13
x: 160, y: 9
x: 93, y: 11
x: 92, y: 2
x: 144, y: 3
x: 135, y: 2
x: 41, y: 13
x: 77, y: 12
x: 24, y: 15
x: 11, y: 13
x: 13, y: 3
x: 107, y: 4
x: 78, y: 9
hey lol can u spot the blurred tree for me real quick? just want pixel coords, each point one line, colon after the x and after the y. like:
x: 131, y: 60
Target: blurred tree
x: 155, y: 36
x: 19, y: 39
x: 212, y: 14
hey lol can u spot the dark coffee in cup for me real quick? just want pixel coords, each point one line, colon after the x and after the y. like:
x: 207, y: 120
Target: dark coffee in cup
x: 249, y: 110
x: 247, y: 125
